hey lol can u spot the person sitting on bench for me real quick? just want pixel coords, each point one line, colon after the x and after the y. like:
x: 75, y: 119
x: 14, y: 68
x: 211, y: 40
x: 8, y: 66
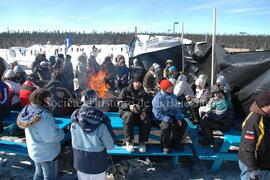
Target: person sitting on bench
x: 168, y: 117
x: 217, y: 118
x: 134, y: 108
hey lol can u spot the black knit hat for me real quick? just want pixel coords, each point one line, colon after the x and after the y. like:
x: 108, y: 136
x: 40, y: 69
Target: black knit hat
x: 263, y: 99
x: 137, y: 78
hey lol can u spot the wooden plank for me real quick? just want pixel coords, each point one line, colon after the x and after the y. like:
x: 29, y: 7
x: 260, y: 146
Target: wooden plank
x: 13, y: 147
x: 151, y: 150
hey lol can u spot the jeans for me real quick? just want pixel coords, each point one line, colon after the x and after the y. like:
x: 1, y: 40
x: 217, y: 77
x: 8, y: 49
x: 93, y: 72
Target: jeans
x: 46, y: 170
x: 265, y: 175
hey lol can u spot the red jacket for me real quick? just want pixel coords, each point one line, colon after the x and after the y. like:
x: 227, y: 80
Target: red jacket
x: 26, y: 90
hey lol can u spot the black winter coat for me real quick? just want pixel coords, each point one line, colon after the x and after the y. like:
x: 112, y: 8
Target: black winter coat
x: 254, y: 149
x: 129, y: 96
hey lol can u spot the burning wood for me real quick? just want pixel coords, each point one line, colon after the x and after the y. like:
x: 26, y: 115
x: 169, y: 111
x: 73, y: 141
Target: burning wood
x: 97, y: 82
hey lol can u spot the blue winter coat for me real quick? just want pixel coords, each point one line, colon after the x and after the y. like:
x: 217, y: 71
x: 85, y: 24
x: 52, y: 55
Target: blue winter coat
x: 91, y: 134
x: 42, y: 134
x: 166, y: 107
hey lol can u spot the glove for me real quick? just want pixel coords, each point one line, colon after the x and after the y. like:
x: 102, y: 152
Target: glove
x: 255, y: 175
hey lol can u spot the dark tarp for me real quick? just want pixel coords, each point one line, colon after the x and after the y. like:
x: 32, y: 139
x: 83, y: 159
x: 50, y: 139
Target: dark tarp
x: 248, y: 73
x: 160, y: 57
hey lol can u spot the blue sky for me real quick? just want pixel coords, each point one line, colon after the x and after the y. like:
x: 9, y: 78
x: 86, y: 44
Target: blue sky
x: 250, y: 16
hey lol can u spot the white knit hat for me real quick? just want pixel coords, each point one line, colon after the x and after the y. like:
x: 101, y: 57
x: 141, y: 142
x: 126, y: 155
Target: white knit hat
x: 201, y: 81
x: 9, y: 74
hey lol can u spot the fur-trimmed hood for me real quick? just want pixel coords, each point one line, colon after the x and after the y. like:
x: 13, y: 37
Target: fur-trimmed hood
x: 30, y: 115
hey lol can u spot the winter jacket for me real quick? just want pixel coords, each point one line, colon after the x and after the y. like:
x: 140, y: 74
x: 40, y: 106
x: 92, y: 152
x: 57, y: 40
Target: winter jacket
x: 4, y: 100
x: 122, y: 72
x: 42, y: 134
x: 150, y: 83
x: 182, y: 87
x: 68, y: 75
x: 92, y: 64
x: 81, y: 72
x: 219, y: 106
x: 91, y: 134
x: 26, y: 90
x: 137, y: 71
x: 14, y: 92
x: 61, y: 97
x: 44, y: 73
x: 166, y: 107
x: 129, y: 96
x: 254, y: 149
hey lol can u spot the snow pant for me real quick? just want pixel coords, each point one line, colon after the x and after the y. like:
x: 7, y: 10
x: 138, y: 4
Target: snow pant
x: 130, y: 120
x: 171, y: 133
x: 213, y: 122
x: 195, y: 112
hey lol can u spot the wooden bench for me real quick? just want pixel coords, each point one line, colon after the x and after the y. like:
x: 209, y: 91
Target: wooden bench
x: 21, y: 148
x: 230, y: 138
x: 152, y: 150
x: 117, y: 124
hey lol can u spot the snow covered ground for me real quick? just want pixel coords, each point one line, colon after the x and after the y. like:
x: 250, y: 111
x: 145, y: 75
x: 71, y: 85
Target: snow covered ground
x: 27, y: 55
x: 22, y: 168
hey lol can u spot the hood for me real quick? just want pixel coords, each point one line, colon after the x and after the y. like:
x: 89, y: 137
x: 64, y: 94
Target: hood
x: 255, y: 108
x: 221, y: 80
x: 182, y: 78
x: 30, y: 115
x: 88, y: 117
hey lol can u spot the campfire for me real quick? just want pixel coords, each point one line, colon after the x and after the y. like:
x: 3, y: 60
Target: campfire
x: 97, y: 82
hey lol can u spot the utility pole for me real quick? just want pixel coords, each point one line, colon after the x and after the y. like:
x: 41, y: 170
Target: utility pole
x: 183, y: 54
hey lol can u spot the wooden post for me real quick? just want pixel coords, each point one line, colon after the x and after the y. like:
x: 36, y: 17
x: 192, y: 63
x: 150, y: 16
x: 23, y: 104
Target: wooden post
x: 135, y: 31
x: 213, y: 48
x: 183, y: 54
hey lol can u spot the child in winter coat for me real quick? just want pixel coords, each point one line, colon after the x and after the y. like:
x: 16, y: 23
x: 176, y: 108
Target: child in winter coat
x: 92, y: 135
x: 218, y: 117
x: 42, y: 135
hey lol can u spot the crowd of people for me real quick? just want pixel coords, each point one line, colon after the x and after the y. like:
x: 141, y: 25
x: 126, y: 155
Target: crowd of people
x: 153, y: 98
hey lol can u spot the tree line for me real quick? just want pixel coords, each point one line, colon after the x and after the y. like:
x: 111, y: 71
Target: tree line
x: 12, y: 38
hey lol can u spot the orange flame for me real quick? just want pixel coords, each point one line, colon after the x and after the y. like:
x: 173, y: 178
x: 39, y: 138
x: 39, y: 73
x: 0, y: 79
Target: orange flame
x: 97, y: 83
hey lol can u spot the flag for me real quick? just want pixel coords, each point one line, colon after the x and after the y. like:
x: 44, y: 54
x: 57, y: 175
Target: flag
x: 68, y: 42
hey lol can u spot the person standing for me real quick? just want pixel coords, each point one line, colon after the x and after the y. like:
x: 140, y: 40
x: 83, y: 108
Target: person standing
x: 92, y: 135
x: 42, y: 135
x: 68, y: 73
x: 254, y: 150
